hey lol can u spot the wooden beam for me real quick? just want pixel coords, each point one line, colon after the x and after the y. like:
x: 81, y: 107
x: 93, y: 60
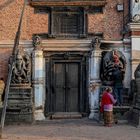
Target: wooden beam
x: 71, y: 3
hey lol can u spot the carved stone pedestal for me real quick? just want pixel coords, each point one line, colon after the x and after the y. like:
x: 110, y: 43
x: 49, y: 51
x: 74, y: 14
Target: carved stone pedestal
x: 20, y: 104
x: 135, y: 112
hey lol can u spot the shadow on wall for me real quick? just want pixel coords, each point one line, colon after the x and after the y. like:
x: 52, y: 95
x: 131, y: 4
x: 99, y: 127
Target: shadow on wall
x: 5, y: 4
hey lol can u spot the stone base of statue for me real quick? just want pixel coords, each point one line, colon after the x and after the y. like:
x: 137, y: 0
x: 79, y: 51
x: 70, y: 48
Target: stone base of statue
x: 138, y: 85
x: 134, y: 117
x: 20, y: 103
x: 135, y: 112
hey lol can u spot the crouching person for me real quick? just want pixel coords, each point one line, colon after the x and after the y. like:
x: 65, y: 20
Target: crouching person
x: 107, y: 102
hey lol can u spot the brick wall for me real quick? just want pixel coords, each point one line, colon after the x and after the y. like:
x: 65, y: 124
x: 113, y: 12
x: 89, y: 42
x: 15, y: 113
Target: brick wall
x: 4, y: 58
x: 10, y: 14
x: 110, y: 22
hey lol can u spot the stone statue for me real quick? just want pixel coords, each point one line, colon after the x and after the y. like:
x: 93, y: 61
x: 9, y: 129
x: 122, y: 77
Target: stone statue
x: 21, y: 71
x: 136, y: 10
x: 2, y: 87
x: 137, y: 78
x: 36, y: 42
x: 137, y: 72
x: 111, y: 62
x: 134, y: 115
x: 96, y: 42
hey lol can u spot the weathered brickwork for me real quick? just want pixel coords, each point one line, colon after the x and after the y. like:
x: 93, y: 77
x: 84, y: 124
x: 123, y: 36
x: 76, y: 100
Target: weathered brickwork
x: 110, y: 22
x: 10, y: 14
x: 4, y: 58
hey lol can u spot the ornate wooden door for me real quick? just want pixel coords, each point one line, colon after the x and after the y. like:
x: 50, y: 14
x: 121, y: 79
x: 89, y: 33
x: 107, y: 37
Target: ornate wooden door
x: 66, y: 83
x: 66, y: 87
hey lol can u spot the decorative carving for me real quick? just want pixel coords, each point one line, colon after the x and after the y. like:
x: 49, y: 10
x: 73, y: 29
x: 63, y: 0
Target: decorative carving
x: 93, y: 86
x: 96, y: 42
x: 21, y: 73
x: 136, y: 85
x: 136, y: 11
x: 66, y: 55
x: 135, y: 91
x: 36, y: 42
x: 113, y: 63
x: 137, y: 72
x: 136, y: 18
x: 137, y: 80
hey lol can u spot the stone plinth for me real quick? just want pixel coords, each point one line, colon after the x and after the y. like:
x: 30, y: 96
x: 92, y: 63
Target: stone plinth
x: 20, y: 104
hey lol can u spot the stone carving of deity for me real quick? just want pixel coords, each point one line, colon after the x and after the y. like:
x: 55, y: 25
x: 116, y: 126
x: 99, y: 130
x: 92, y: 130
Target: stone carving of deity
x: 135, y: 10
x: 137, y: 72
x: 113, y: 63
x: 21, y: 69
x: 36, y: 42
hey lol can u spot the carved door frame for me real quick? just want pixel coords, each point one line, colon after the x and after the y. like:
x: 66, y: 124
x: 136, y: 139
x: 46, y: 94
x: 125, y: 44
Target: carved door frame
x: 78, y: 57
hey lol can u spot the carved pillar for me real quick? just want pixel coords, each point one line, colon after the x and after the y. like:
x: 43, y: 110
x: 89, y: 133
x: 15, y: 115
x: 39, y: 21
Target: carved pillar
x: 38, y: 81
x: 135, y: 9
x: 95, y: 83
x: 135, y: 41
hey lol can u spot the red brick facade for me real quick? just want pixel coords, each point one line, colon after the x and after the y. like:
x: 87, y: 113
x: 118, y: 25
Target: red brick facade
x: 110, y: 23
x: 4, y: 58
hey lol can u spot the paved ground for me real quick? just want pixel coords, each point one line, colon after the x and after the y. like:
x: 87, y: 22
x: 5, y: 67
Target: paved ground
x: 80, y: 129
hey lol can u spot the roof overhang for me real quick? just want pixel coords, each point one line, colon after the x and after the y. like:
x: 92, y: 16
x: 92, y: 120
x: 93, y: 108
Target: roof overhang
x: 67, y: 3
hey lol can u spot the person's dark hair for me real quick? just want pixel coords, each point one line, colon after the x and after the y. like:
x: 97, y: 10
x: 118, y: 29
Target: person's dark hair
x: 108, y: 89
x: 1, y: 78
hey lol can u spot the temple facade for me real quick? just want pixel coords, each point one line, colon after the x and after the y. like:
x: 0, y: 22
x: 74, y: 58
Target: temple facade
x: 68, y: 52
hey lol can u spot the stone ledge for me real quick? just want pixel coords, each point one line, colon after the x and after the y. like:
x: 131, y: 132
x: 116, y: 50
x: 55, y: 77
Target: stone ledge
x: 66, y: 115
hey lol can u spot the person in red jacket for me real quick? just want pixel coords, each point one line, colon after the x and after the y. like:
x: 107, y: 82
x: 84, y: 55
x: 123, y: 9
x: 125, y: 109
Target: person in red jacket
x: 107, y: 102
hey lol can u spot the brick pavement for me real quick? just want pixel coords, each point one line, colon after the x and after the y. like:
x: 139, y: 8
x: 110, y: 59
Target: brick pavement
x: 80, y: 129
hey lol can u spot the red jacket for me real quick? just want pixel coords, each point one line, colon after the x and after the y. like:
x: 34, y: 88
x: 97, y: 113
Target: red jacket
x: 105, y: 100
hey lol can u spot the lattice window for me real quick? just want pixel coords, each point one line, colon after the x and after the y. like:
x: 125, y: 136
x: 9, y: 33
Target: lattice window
x: 68, y: 22
x: 65, y: 24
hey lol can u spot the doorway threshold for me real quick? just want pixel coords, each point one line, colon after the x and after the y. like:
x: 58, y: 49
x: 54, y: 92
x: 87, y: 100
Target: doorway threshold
x: 66, y: 115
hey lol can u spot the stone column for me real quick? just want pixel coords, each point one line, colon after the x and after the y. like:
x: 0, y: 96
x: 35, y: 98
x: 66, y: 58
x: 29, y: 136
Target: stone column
x: 135, y: 10
x: 94, y: 84
x: 38, y: 84
x: 135, y: 49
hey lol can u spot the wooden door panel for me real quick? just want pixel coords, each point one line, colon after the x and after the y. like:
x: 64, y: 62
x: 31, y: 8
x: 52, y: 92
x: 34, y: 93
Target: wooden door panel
x: 73, y: 105
x: 73, y: 86
x: 66, y: 87
x: 60, y: 100
x: 59, y: 74
x: 59, y: 81
x: 72, y: 74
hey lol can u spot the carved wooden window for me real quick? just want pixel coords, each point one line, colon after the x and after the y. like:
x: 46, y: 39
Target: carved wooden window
x: 65, y: 24
x: 68, y: 23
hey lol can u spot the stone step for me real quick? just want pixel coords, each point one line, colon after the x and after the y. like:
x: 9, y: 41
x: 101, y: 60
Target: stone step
x: 66, y: 115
